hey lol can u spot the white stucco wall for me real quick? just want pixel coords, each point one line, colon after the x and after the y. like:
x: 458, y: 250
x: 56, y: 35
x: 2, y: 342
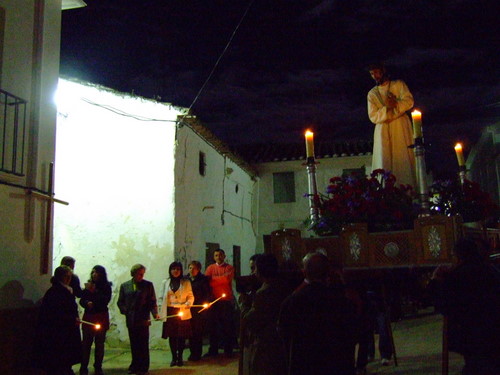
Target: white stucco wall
x: 115, y: 166
x: 208, y: 208
x: 274, y: 216
x: 21, y: 223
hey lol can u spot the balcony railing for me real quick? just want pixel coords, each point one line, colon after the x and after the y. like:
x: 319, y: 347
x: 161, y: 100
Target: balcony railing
x: 12, y: 133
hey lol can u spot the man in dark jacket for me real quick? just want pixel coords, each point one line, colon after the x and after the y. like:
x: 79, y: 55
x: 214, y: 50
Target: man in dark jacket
x: 317, y: 324
x: 469, y: 296
x: 136, y: 301
x: 266, y: 353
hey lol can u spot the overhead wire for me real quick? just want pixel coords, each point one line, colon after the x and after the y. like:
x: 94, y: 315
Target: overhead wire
x: 200, y: 91
x: 123, y: 113
x: 221, y: 55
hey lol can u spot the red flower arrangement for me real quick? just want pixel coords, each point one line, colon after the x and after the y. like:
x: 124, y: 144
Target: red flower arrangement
x: 451, y: 197
x: 375, y: 200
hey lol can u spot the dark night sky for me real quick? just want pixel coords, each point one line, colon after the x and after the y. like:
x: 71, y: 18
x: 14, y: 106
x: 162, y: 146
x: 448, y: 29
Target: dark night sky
x: 296, y: 63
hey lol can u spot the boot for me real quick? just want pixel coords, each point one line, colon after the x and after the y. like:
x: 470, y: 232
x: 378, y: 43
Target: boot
x: 173, y: 350
x: 174, y: 359
x: 180, y: 361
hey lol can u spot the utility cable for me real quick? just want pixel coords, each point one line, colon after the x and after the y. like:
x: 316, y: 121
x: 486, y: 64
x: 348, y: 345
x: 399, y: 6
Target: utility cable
x: 221, y: 55
x: 123, y: 113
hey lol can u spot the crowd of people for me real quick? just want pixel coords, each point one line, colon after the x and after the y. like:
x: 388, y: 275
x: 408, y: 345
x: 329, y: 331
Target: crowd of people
x: 186, y: 305
x: 290, y: 323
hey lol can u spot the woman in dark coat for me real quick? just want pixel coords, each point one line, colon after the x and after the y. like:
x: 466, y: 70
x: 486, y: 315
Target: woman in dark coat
x: 201, y: 291
x: 58, y: 345
x: 95, y: 299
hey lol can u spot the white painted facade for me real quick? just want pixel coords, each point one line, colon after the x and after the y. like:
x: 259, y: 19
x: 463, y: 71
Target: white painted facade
x: 29, y: 69
x: 274, y: 216
x: 218, y: 207
x: 135, y: 192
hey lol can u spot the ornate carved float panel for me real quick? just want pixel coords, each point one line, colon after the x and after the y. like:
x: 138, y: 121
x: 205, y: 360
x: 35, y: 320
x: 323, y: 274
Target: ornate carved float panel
x: 429, y: 243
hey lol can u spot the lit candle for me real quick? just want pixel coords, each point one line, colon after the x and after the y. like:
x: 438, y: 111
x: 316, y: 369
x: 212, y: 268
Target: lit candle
x: 309, y: 144
x: 416, y: 116
x: 180, y: 313
x: 207, y: 305
x: 96, y: 326
x: 460, y: 155
x: 223, y: 295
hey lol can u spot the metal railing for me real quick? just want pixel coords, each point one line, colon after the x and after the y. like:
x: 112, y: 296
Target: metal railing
x: 12, y: 133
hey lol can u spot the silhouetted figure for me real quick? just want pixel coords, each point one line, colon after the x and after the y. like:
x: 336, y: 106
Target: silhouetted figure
x: 12, y: 296
x: 317, y: 324
x: 247, y: 285
x: 266, y: 351
x: 57, y: 344
x: 469, y: 296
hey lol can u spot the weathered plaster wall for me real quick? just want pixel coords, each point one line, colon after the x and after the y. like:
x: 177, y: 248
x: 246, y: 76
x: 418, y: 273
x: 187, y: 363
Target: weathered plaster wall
x: 215, y: 208
x: 274, y: 216
x: 31, y: 73
x: 116, y: 169
x: 29, y: 69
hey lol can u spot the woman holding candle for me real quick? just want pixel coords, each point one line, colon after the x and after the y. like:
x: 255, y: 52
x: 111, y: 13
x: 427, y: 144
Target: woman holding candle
x: 57, y: 337
x: 177, y: 297
x: 95, y: 299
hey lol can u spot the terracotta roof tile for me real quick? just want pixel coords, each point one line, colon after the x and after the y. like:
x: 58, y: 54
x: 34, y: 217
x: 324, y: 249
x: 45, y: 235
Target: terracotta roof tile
x: 262, y: 153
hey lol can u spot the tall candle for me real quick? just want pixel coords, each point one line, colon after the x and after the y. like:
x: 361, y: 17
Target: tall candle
x: 309, y: 144
x: 460, y: 155
x: 416, y: 117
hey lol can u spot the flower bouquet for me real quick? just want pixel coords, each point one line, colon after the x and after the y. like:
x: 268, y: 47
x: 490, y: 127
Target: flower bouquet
x: 451, y: 197
x: 376, y: 200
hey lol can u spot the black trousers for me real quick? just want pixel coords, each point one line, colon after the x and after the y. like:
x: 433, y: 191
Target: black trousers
x: 139, y: 346
x: 91, y: 335
x: 221, y: 326
x: 198, y: 328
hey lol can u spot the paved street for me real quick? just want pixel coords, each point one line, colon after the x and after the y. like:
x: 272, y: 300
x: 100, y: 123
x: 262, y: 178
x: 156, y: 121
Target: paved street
x: 418, y: 345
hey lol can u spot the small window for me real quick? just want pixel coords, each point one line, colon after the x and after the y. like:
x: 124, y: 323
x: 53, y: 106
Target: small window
x: 284, y: 187
x: 210, y: 248
x: 202, y: 163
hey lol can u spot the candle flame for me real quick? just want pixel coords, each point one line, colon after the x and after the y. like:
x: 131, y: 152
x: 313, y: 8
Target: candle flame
x: 458, y: 147
x: 180, y: 313
x: 416, y: 112
x: 223, y: 295
x: 205, y: 305
x: 308, y: 133
x: 97, y: 326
